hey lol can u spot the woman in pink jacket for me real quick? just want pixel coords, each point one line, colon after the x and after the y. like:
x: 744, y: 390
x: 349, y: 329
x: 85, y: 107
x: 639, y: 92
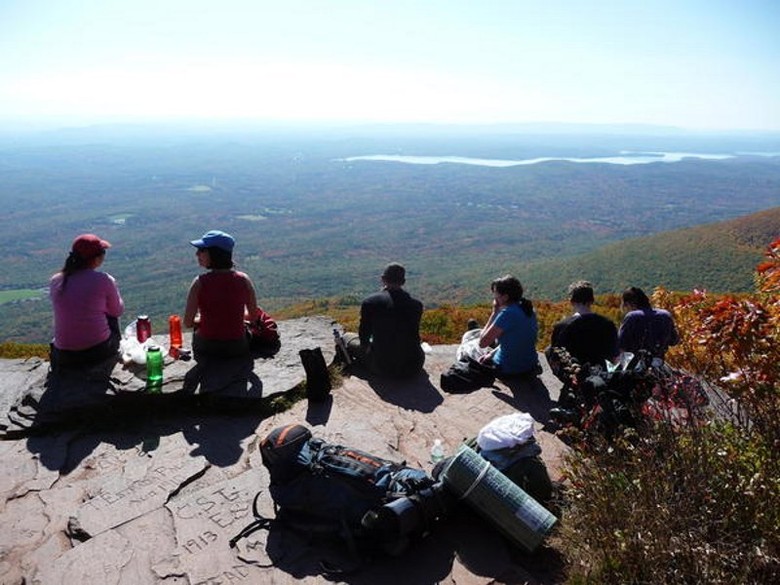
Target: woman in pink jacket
x: 87, y: 306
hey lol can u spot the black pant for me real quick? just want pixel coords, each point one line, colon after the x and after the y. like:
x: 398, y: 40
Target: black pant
x: 218, y: 348
x: 92, y: 355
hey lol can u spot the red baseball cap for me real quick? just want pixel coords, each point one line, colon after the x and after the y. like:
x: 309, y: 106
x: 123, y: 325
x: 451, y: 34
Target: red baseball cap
x: 89, y: 245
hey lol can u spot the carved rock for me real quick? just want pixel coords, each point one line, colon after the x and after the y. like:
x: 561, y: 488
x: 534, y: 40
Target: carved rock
x: 154, y: 495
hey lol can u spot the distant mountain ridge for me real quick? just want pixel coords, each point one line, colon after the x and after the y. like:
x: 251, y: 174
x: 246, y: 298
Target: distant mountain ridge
x: 720, y: 257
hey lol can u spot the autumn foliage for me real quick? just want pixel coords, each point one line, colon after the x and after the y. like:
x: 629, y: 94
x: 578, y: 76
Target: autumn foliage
x: 693, y: 499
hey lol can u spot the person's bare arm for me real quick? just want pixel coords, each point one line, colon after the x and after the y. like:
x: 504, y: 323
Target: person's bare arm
x: 251, y: 303
x: 191, y: 310
x: 489, y: 336
x: 490, y: 332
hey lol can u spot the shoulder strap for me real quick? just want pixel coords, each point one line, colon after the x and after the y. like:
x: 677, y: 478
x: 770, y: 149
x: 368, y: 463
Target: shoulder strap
x: 355, y: 561
x: 260, y: 523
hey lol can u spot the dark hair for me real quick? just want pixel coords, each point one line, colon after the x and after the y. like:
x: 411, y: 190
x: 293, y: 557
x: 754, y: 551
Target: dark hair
x: 73, y: 263
x: 394, y: 274
x: 581, y: 292
x: 219, y: 258
x: 510, y: 286
x: 636, y: 297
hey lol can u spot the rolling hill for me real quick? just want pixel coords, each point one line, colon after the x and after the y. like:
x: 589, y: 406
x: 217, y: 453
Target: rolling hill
x: 719, y: 257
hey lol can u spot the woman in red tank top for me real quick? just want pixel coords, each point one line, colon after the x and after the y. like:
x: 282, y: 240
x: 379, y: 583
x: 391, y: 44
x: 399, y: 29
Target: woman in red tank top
x: 219, y: 300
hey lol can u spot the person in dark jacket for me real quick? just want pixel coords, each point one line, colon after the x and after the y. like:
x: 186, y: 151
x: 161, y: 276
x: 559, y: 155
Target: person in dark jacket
x: 388, y: 339
x: 587, y: 336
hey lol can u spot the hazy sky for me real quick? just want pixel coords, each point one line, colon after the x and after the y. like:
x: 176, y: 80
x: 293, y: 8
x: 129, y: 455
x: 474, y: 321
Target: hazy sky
x: 709, y: 64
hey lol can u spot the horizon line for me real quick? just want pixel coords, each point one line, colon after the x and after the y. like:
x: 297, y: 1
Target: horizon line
x: 42, y: 125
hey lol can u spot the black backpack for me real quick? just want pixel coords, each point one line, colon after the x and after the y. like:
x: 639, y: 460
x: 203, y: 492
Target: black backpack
x: 604, y: 401
x: 318, y: 384
x: 329, y: 492
x: 466, y: 376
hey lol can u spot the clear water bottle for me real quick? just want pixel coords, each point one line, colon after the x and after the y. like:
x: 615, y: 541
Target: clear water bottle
x: 437, y: 451
x: 154, y: 369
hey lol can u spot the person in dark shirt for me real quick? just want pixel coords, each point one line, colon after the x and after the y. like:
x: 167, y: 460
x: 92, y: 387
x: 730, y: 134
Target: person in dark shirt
x: 388, y: 339
x: 587, y: 336
x: 644, y: 327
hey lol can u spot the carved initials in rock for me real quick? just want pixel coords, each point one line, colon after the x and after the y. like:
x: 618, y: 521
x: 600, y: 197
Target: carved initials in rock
x: 202, y: 541
x: 223, y: 507
x: 236, y: 573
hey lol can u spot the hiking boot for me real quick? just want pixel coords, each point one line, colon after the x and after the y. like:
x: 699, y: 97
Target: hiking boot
x: 564, y: 415
x: 567, y: 398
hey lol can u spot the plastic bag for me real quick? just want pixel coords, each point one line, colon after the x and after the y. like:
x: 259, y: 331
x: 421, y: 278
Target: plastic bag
x: 469, y: 346
x: 132, y: 350
x: 506, y: 431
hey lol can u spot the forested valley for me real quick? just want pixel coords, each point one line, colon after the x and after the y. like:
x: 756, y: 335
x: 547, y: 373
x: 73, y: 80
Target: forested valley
x: 311, y: 226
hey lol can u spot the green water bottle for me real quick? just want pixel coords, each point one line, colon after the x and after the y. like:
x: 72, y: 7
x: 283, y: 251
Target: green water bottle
x: 154, y: 369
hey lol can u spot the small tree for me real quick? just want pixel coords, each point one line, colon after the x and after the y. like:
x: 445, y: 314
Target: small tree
x: 734, y: 343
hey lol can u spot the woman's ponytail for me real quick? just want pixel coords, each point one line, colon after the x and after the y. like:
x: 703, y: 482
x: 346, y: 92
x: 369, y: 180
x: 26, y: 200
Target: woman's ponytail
x: 527, y: 306
x: 73, y: 263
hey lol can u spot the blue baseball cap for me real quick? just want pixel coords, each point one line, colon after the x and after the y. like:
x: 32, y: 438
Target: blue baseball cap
x: 215, y: 239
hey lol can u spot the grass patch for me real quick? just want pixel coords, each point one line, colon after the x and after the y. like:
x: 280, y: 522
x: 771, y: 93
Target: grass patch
x: 13, y: 350
x: 9, y: 296
x: 120, y: 218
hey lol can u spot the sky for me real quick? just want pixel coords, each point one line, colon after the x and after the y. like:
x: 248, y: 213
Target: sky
x: 700, y: 65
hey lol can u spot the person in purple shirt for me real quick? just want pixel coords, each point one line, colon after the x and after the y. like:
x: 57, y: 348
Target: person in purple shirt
x: 87, y: 306
x: 643, y: 327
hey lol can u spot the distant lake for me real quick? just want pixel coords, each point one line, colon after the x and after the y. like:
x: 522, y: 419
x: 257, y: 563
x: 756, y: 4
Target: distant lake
x: 624, y: 158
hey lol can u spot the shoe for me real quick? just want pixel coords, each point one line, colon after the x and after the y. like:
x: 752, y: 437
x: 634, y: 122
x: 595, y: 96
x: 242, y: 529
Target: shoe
x: 567, y: 398
x: 564, y: 415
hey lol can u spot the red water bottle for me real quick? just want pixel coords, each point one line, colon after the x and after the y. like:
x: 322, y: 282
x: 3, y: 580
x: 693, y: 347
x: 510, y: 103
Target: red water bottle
x: 174, y: 332
x: 143, y: 328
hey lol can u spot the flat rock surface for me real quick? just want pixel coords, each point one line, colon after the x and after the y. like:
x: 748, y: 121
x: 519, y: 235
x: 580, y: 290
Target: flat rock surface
x: 154, y: 497
x: 31, y: 397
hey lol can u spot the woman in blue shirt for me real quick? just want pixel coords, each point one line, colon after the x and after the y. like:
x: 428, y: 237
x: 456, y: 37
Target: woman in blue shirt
x: 513, y: 324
